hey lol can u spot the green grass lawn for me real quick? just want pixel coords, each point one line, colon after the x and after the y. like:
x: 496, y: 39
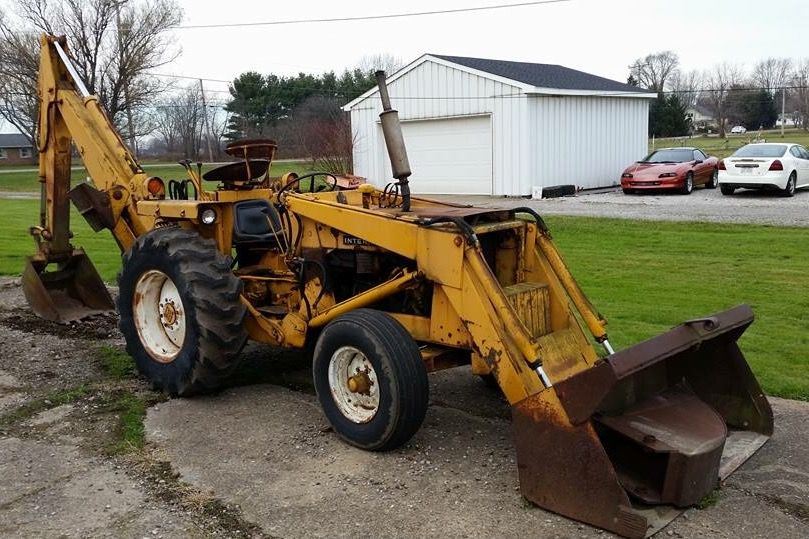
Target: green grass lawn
x: 26, y: 181
x: 721, y: 148
x: 645, y: 277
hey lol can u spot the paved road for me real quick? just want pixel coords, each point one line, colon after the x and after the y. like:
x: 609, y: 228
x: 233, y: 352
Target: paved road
x: 702, y: 205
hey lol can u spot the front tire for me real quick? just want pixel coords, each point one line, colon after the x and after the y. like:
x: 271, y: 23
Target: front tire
x: 180, y: 311
x: 789, y: 189
x: 688, y: 184
x: 370, y: 380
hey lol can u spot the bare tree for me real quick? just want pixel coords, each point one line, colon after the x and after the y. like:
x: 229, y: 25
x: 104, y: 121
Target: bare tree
x: 325, y: 134
x: 653, y: 71
x: 384, y: 61
x: 114, y: 43
x: 772, y: 74
x: 179, y: 123
x: 685, y: 85
x: 720, y: 80
x: 19, y: 61
x: 799, y: 101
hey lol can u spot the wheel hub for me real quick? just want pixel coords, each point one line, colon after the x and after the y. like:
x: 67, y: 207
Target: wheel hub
x: 168, y: 313
x: 159, y: 316
x: 354, y: 385
x: 360, y: 383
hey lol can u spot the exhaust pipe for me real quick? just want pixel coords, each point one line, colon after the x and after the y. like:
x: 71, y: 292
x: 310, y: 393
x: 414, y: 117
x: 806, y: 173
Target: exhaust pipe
x: 392, y: 131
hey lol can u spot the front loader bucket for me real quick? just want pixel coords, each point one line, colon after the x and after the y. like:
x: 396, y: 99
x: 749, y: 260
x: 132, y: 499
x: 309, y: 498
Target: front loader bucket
x: 71, y: 292
x: 645, y: 432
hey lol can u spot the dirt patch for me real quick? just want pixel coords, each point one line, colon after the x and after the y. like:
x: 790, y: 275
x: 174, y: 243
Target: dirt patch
x: 98, y: 327
x: 71, y: 434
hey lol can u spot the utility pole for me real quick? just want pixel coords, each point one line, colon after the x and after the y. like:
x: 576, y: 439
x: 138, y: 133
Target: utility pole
x: 132, y: 142
x: 205, y: 119
x: 783, y: 109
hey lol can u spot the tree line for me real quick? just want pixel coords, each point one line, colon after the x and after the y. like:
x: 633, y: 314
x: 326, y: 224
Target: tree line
x: 302, y: 112
x: 726, y: 92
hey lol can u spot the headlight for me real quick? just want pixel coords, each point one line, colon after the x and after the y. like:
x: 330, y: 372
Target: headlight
x: 668, y: 175
x: 208, y: 216
x: 626, y: 175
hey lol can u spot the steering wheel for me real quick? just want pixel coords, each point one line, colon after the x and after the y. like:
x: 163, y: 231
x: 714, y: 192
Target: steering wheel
x: 295, y: 182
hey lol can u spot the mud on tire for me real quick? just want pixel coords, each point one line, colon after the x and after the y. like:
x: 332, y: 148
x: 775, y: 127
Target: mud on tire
x: 214, y: 331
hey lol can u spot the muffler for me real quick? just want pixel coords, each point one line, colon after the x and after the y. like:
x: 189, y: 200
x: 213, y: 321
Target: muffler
x: 647, y: 431
x: 71, y: 291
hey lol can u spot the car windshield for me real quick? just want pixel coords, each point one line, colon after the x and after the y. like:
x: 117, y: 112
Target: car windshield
x: 761, y: 150
x: 669, y: 156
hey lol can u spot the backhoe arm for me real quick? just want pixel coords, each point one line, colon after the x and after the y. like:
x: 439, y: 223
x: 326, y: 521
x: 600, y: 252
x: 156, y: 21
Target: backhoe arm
x: 69, y: 115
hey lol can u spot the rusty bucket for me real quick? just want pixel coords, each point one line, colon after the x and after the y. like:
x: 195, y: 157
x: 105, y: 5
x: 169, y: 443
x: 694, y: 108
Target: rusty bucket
x: 647, y: 431
x: 70, y: 291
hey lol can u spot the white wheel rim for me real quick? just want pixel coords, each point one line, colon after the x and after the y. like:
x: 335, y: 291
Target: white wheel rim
x: 159, y: 316
x: 354, y: 385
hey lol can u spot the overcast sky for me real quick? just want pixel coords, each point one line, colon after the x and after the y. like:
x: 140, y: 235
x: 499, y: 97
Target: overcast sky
x: 598, y: 36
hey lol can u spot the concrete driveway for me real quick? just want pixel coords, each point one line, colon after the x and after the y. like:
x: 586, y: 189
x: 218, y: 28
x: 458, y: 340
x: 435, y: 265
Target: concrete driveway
x: 269, y: 450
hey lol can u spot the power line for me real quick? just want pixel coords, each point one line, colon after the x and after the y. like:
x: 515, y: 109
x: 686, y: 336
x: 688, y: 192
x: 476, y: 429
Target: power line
x: 370, y: 17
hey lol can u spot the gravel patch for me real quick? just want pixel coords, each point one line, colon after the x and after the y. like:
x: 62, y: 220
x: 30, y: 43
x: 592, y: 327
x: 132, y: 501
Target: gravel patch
x: 709, y: 205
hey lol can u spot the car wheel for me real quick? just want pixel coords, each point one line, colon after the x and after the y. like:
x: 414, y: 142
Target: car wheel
x: 688, y: 184
x: 714, y: 180
x: 789, y: 189
x: 628, y: 192
x: 727, y: 189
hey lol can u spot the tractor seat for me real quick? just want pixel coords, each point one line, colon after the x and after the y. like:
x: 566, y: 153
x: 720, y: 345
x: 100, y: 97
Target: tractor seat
x: 256, y: 222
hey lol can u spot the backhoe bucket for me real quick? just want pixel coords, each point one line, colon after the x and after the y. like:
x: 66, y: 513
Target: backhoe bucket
x: 645, y: 432
x: 71, y: 292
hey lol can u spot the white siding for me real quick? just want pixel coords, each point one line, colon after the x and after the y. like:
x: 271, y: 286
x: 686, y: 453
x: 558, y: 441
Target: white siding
x: 587, y: 141
x: 536, y: 140
x: 432, y: 91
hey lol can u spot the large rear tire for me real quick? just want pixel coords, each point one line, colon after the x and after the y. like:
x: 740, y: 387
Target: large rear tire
x: 370, y: 380
x: 180, y: 311
x: 727, y: 190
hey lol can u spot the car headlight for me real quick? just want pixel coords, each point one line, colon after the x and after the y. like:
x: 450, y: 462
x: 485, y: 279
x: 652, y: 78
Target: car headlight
x: 626, y: 175
x: 208, y: 216
x: 668, y: 175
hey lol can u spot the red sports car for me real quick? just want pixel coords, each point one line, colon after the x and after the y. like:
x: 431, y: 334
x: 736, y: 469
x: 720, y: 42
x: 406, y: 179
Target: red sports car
x: 671, y: 168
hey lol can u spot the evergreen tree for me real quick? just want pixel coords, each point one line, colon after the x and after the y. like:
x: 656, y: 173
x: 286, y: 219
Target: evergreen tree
x: 668, y: 118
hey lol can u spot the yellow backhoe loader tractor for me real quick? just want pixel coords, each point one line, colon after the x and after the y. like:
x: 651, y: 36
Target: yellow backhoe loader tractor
x: 388, y: 287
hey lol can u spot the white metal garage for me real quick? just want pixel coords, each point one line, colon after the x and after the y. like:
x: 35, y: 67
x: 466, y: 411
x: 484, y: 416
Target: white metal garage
x: 476, y: 126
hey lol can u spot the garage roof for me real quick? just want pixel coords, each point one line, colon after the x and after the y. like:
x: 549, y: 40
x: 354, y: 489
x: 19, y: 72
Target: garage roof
x: 543, y: 75
x: 538, y: 79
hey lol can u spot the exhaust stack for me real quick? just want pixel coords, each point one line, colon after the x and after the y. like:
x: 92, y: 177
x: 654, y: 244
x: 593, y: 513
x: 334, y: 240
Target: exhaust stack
x: 392, y: 131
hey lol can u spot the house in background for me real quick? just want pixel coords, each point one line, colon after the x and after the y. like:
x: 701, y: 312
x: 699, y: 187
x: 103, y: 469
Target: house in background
x: 16, y: 149
x: 494, y: 127
x: 701, y: 118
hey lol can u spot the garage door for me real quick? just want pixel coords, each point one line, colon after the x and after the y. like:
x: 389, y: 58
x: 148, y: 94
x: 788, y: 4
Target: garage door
x: 449, y: 156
